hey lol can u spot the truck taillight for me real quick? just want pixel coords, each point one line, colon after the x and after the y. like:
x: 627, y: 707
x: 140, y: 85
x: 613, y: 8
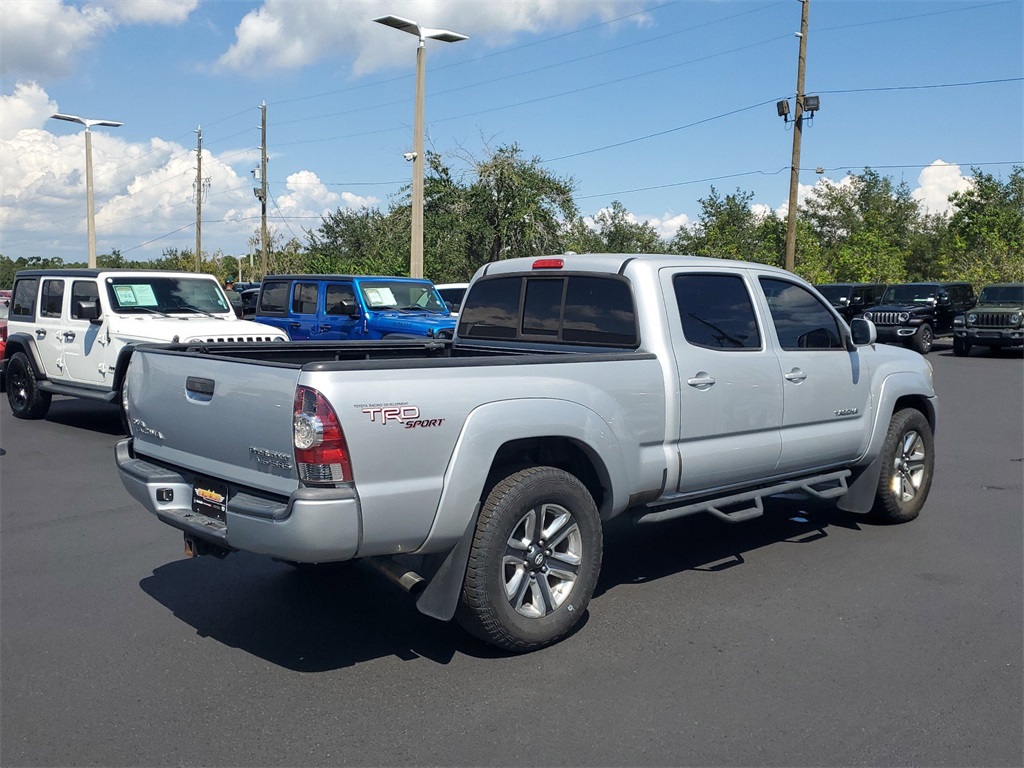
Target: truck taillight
x: 321, y: 453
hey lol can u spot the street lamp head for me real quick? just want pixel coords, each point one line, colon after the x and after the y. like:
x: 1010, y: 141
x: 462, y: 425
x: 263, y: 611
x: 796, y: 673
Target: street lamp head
x: 413, y: 28
x: 87, y: 122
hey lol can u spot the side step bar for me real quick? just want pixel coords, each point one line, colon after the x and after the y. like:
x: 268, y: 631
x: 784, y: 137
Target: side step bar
x: 750, y: 504
x: 103, y: 395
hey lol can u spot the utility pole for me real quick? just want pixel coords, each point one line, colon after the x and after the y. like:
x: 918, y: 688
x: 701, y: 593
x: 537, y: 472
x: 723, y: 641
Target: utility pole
x: 199, y: 200
x: 263, y: 186
x: 798, y: 119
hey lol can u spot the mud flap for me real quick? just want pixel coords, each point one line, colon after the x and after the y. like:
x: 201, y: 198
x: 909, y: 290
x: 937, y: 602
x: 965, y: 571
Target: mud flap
x: 861, y: 496
x: 440, y: 599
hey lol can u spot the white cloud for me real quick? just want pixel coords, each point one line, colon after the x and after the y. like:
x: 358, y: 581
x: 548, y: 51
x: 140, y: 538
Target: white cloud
x: 667, y: 224
x: 937, y: 182
x: 143, y: 191
x: 151, y: 11
x: 41, y: 38
x: 287, y: 34
x: 27, y: 107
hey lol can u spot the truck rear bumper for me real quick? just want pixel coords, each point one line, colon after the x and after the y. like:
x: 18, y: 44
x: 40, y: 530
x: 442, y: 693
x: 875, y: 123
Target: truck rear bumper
x: 313, y: 525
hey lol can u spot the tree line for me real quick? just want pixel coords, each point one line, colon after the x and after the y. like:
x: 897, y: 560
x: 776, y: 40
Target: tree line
x: 505, y: 205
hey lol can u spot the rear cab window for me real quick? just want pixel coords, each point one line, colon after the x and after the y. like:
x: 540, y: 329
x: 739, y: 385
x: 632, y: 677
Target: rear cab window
x: 716, y: 312
x: 591, y: 310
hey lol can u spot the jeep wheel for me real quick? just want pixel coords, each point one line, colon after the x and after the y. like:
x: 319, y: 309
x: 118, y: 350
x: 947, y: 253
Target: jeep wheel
x: 27, y: 402
x: 961, y: 347
x: 908, y: 462
x: 922, y: 340
x: 534, y: 562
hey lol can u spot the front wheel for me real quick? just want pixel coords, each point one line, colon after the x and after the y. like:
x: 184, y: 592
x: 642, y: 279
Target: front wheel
x: 922, y: 340
x: 534, y: 562
x: 961, y: 346
x: 908, y: 462
x: 23, y: 394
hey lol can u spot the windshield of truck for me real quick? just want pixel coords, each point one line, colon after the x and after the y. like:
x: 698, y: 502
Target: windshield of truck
x: 160, y: 294
x: 402, y: 295
x: 910, y: 294
x: 834, y: 293
x: 1006, y: 295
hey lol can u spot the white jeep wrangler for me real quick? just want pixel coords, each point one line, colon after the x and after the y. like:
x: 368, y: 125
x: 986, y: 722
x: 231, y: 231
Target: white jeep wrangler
x: 72, y: 331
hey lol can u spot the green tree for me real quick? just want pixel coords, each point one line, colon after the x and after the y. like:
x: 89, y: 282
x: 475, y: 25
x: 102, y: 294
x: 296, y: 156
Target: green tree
x: 865, y: 227
x: 986, y: 230
x: 620, y: 232
x: 729, y: 228
x: 516, y: 207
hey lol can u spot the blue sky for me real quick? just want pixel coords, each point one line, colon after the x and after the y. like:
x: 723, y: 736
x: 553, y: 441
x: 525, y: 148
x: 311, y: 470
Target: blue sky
x: 647, y: 103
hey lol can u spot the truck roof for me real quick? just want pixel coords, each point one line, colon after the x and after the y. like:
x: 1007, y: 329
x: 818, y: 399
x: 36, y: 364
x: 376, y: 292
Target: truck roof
x: 86, y: 272
x: 617, y: 263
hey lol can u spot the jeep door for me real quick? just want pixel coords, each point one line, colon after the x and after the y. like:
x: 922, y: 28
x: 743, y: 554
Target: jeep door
x: 826, y: 388
x: 87, y: 354
x: 49, y: 328
x: 729, y: 383
x: 342, y: 318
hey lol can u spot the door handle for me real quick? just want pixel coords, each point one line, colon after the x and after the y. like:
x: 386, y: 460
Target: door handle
x: 701, y: 381
x: 69, y: 335
x: 325, y: 328
x: 293, y: 325
x: 40, y: 333
x: 796, y: 376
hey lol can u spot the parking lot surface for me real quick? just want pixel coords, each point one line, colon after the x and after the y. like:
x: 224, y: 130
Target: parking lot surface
x: 807, y: 637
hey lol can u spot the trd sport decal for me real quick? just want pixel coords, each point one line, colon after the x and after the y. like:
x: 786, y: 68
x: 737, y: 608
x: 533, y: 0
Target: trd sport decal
x: 407, y: 415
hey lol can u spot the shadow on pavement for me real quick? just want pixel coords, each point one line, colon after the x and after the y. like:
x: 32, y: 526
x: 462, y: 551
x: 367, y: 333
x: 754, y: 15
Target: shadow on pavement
x: 338, y: 616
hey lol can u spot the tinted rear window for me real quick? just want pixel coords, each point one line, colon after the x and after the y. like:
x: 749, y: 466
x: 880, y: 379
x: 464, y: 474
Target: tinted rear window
x: 570, y: 309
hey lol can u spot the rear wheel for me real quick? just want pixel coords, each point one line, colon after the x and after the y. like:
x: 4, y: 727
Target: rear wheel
x: 23, y: 394
x: 534, y: 562
x: 922, y: 340
x: 908, y: 462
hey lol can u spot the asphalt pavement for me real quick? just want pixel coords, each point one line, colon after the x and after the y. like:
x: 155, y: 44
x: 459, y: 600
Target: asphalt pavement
x: 807, y: 637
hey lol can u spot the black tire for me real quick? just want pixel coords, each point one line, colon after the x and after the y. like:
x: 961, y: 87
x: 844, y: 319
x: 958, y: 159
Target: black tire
x: 522, y: 592
x: 122, y: 395
x: 23, y: 394
x: 961, y: 346
x: 908, y: 464
x: 922, y: 340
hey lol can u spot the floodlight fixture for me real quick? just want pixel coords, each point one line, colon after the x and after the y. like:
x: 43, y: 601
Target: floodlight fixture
x: 782, y: 107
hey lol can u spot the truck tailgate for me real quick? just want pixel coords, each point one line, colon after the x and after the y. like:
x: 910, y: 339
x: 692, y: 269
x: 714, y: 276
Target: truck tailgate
x: 190, y: 410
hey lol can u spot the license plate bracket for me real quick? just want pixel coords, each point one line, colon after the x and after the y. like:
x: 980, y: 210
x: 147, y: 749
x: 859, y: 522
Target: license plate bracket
x: 210, y: 498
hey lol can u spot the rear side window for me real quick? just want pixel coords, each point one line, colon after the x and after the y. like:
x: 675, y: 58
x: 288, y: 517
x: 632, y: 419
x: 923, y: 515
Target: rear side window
x: 304, y: 298
x: 52, y: 298
x: 274, y: 297
x: 23, y: 302
x: 568, y: 309
x: 801, y: 321
x: 716, y: 312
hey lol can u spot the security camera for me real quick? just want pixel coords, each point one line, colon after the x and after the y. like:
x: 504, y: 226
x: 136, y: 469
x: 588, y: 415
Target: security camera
x: 410, y: 156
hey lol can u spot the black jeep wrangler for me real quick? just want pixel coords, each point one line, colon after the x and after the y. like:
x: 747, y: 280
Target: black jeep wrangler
x: 852, y: 299
x: 917, y: 313
x: 996, y: 321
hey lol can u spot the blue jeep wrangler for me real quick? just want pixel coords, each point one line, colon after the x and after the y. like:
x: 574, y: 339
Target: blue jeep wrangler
x: 330, y: 307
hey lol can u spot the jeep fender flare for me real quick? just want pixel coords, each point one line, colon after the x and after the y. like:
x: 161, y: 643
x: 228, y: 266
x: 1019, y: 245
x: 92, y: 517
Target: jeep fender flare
x: 24, y: 342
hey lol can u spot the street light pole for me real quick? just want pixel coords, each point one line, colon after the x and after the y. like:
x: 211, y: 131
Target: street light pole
x: 90, y: 212
x: 798, y: 126
x: 444, y: 35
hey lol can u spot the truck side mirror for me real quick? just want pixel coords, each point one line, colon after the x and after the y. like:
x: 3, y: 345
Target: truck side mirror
x: 88, y: 310
x: 863, y: 331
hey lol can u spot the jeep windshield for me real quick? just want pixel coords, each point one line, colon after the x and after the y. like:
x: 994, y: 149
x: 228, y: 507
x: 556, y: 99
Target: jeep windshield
x: 1002, y: 295
x: 910, y: 294
x: 402, y: 295
x: 158, y: 294
x: 836, y: 294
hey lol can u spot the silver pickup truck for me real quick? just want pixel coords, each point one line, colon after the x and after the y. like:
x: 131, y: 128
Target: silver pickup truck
x: 478, y: 472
